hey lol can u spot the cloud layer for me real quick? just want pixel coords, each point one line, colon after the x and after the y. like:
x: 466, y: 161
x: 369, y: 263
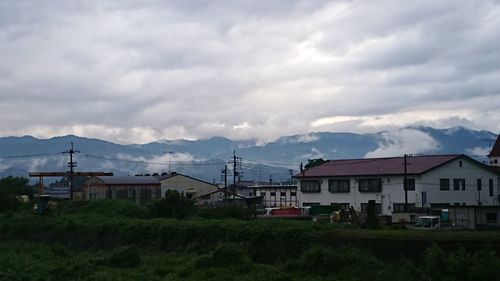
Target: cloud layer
x: 132, y: 72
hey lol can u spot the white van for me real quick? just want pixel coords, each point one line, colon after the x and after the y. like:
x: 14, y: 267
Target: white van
x: 428, y: 222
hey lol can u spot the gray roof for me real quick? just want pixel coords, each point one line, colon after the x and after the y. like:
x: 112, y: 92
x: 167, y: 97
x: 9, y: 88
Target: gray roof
x: 128, y: 180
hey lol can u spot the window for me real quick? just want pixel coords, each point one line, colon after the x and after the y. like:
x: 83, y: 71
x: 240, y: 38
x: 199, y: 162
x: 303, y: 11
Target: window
x: 309, y: 204
x: 495, y: 161
x: 410, y: 184
x: 273, y: 193
x: 378, y: 208
x: 370, y: 185
x: 479, y: 185
x: 293, y: 193
x: 463, y: 184
x: 460, y: 164
x: 491, y: 217
x: 263, y: 193
x: 338, y: 185
x: 456, y: 184
x: 282, y: 193
x: 400, y: 207
x: 491, y: 187
x: 310, y: 186
x: 444, y: 184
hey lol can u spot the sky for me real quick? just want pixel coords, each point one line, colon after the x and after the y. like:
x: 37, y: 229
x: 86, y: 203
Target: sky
x: 138, y: 71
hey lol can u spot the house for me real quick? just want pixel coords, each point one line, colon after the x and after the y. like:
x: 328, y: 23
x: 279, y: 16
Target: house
x: 140, y: 189
x: 218, y: 197
x: 433, y: 181
x: 494, y: 155
x: 276, y: 195
x: 186, y: 185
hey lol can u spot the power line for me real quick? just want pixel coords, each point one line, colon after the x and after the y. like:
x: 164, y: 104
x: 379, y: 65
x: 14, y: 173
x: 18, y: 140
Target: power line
x: 29, y: 155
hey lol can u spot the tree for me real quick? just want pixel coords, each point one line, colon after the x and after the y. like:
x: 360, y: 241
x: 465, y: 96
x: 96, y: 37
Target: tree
x: 174, y: 205
x: 10, y: 187
x: 314, y: 162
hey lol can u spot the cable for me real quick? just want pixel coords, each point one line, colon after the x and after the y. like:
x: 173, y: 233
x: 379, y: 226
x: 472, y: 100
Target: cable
x: 28, y: 155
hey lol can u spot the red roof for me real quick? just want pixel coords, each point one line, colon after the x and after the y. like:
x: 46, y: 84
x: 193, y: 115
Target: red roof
x: 378, y: 166
x: 495, y: 152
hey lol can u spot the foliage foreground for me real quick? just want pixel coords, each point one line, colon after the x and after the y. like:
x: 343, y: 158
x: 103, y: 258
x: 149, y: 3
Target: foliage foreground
x: 121, y: 242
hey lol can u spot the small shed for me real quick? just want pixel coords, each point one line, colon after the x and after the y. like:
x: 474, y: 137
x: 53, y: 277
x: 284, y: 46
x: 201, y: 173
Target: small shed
x: 475, y: 217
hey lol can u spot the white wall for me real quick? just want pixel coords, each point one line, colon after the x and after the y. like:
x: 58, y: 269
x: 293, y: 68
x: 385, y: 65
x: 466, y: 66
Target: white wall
x: 393, y: 191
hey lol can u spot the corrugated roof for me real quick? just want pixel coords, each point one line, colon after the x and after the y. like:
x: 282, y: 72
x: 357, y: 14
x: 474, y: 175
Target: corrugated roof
x: 378, y: 166
x: 128, y: 180
x: 495, y: 151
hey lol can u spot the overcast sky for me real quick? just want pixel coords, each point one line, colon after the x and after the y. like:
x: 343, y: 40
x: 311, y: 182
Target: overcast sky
x: 138, y: 71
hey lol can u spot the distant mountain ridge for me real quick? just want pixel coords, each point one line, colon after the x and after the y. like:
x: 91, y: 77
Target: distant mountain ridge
x: 206, y: 157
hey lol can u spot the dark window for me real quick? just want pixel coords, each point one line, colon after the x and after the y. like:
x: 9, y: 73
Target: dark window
x: 309, y: 204
x: 400, y: 207
x: 273, y: 193
x: 282, y: 193
x: 463, y: 184
x: 370, y: 185
x: 410, y: 184
x: 310, y: 186
x: 495, y: 161
x: 263, y: 193
x: 293, y: 193
x: 444, y: 184
x: 491, y: 187
x: 491, y: 217
x: 479, y: 185
x: 460, y: 163
x: 378, y: 208
x: 250, y: 194
x: 338, y: 185
x: 456, y: 184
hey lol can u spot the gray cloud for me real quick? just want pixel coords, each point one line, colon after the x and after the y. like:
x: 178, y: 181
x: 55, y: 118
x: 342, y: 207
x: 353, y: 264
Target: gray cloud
x: 130, y: 71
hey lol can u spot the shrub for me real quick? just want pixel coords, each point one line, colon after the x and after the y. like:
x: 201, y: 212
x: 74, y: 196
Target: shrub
x: 230, y: 211
x: 125, y: 257
x: 174, y: 205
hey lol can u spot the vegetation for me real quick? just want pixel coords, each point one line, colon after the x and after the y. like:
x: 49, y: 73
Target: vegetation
x: 10, y: 188
x: 314, y: 162
x: 170, y: 240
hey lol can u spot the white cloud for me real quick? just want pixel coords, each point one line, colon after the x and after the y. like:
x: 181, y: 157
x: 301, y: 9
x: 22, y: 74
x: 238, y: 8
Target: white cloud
x: 406, y: 141
x: 134, y: 72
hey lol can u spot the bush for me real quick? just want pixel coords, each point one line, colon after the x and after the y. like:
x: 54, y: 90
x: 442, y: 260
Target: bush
x: 174, y: 205
x: 111, y: 208
x: 230, y: 211
x: 125, y: 257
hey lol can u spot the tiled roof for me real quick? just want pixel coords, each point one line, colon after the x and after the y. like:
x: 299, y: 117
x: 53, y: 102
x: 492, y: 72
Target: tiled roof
x: 378, y: 166
x: 495, y: 151
x: 128, y: 180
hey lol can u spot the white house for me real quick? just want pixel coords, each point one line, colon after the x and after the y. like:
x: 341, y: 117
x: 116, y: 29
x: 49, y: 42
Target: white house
x: 434, y: 181
x: 276, y: 195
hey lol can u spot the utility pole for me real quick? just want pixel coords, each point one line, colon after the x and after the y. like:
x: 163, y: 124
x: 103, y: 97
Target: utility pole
x: 236, y: 161
x: 405, y: 184
x: 71, y: 166
x: 224, y: 175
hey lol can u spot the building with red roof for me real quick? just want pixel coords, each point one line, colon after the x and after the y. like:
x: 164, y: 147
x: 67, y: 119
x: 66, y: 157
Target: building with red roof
x: 433, y: 181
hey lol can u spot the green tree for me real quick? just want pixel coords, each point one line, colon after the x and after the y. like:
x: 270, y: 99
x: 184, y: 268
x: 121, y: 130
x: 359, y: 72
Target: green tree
x: 10, y: 187
x: 314, y: 162
x: 174, y: 205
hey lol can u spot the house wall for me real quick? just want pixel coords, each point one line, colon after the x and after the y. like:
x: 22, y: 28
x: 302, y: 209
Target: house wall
x: 467, y: 170
x: 186, y: 185
x: 429, y: 183
x: 283, y: 197
x: 138, y: 193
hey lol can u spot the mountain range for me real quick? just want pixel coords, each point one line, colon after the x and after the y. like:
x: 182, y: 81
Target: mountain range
x: 257, y: 161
